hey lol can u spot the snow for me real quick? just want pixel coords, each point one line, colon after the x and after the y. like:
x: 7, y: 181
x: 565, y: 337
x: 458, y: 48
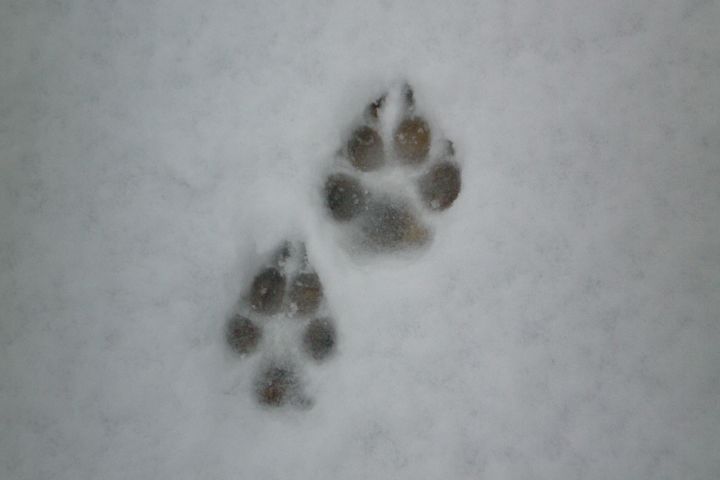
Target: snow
x: 564, y: 323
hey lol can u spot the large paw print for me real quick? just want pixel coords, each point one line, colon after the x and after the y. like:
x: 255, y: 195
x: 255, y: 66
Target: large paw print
x: 284, y: 316
x: 382, y: 188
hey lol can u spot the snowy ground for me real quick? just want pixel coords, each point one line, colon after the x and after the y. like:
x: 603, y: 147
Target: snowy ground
x: 565, y: 322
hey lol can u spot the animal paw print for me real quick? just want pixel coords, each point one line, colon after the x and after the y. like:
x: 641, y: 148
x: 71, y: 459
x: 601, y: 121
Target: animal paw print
x: 284, y: 317
x: 381, y: 188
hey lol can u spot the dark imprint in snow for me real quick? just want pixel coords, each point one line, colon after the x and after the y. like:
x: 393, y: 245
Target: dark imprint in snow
x: 378, y: 217
x: 270, y: 299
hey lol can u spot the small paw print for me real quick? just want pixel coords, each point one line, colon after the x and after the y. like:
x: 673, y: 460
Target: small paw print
x: 284, y: 317
x: 381, y: 189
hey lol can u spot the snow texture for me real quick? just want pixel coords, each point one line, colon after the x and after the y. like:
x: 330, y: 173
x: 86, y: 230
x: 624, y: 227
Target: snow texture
x: 564, y: 323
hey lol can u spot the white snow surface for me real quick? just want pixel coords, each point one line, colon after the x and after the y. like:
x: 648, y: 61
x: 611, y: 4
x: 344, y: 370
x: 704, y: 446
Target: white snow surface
x: 564, y: 323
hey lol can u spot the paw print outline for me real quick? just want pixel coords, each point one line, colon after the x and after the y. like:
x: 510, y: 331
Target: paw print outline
x: 284, y: 317
x: 389, y: 174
